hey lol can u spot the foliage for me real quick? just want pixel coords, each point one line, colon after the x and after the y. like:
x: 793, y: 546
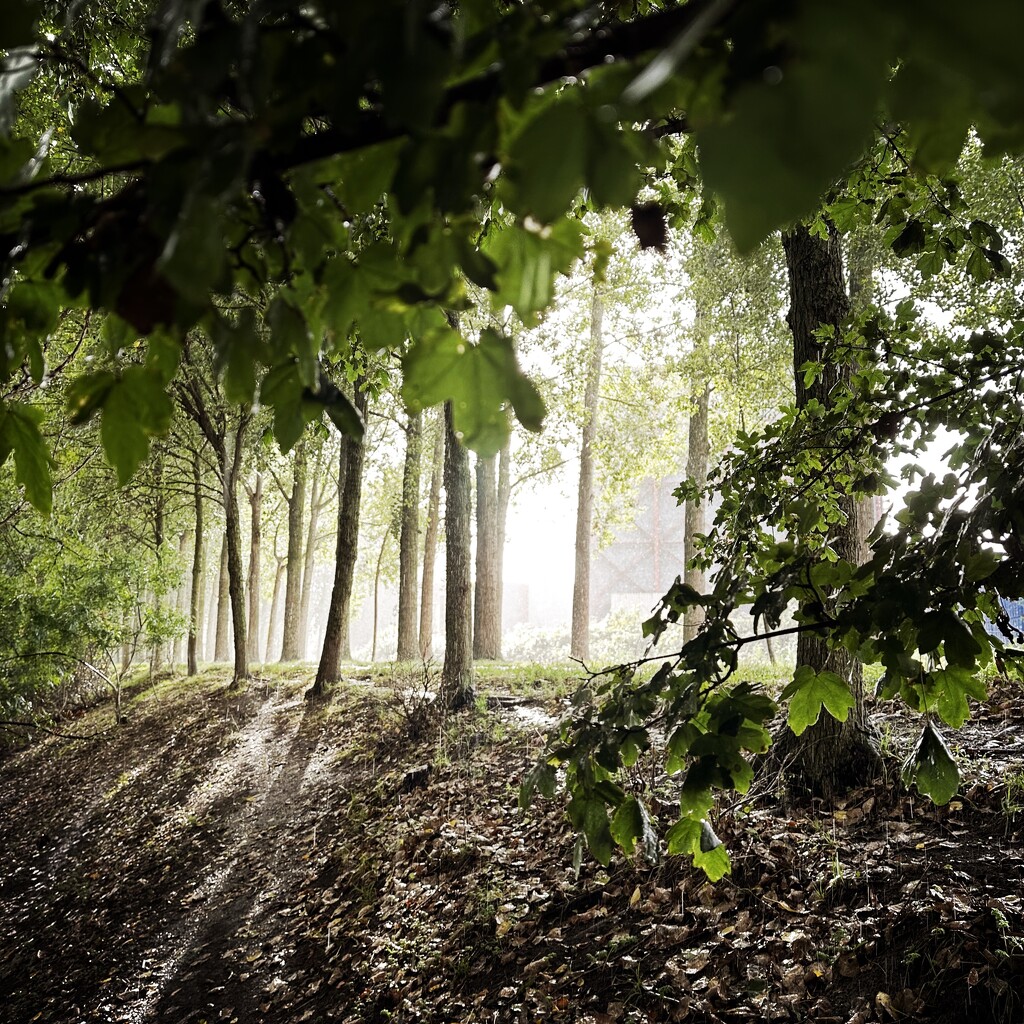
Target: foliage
x: 339, y: 180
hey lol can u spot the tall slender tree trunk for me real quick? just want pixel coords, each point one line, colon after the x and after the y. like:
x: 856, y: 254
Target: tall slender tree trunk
x: 157, y: 656
x: 376, y: 593
x: 337, y: 645
x: 579, y: 645
x: 195, y: 618
x: 309, y: 561
x: 408, y: 542
x: 236, y: 584
x: 697, y: 471
x: 430, y: 544
x: 181, y: 601
x: 830, y: 756
x: 487, y: 600
x: 293, y: 584
x: 222, y: 648
x: 275, y: 603
x: 457, y: 670
x: 501, y: 520
x: 253, y: 586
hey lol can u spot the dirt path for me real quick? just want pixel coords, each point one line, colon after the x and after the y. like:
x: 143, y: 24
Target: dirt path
x: 220, y: 801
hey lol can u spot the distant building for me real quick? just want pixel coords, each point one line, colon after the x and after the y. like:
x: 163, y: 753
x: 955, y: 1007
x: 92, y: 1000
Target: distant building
x: 635, y: 570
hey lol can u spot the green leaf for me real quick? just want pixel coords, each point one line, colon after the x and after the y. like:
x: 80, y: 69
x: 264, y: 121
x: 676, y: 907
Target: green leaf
x: 124, y: 440
x: 981, y: 565
x: 952, y: 686
x: 696, y: 837
x: 194, y: 258
x: 931, y: 767
x: 547, y: 162
x: 528, y: 261
x: 959, y: 644
x: 134, y: 408
x: 590, y: 817
x: 19, y: 432
x: 17, y: 69
x: 799, y: 131
x: 481, y: 380
x: 632, y: 822
x: 811, y: 690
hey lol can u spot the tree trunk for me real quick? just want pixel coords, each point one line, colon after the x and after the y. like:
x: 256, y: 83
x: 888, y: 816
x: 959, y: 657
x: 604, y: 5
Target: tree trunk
x: 430, y: 544
x: 408, y: 542
x: 195, y: 617
x: 501, y: 518
x: 256, y: 518
x: 457, y: 670
x: 293, y: 584
x: 181, y: 601
x: 309, y: 562
x: 579, y: 645
x: 336, y: 639
x: 222, y: 649
x: 487, y: 602
x: 275, y: 603
x: 376, y: 594
x: 697, y: 471
x: 830, y: 756
x: 157, y: 655
x: 236, y: 583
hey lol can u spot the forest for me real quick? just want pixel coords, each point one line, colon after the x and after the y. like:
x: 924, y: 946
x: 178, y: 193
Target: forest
x: 511, y: 511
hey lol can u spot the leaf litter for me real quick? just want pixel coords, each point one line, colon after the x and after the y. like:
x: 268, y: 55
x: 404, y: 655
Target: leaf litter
x: 248, y: 857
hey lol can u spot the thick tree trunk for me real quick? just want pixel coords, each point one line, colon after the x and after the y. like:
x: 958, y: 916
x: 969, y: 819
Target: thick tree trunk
x: 697, y: 471
x: 253, y: 585
x: 430, y: 544
x: 236, y: 582
x: 293, y: 584
x: 408, y: 542
x: 487, y: 602
x: 457, y: 670
x: 579, y: 645
x: 309, y: 562
x: 222, y: 643
x: 195, y: 617
x: 336, y: 639
x: 830, y: 756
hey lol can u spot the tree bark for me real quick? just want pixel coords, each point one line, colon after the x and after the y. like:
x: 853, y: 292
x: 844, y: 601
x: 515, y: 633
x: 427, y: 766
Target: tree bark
x: 697, y: 471
x: 253, y: 587
x: 337, y: 645
x: 236, y: 584
x: 293, y: 584
x: 309, y: 561
x: 181, y: 601
x: 376, y: 593
x: 275, y: 603
x: 408, y: 542
x: 457, y: 670
x: 486, y: 599
x: 579, y: 645
x: 830, y: 756
x: 195, y: 617
x: 504, y: 497
x: 222, y: 648
x: 430, y: 544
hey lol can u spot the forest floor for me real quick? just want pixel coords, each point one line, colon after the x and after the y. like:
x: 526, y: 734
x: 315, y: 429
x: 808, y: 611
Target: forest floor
x: 248, y: 857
